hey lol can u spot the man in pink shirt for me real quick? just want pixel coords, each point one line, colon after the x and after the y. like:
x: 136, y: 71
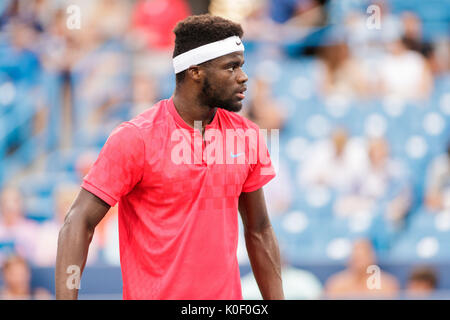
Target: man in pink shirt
x: 180, y: 172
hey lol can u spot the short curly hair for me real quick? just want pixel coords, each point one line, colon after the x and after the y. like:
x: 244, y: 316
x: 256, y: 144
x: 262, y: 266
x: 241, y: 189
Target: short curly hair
x: 198, y: 30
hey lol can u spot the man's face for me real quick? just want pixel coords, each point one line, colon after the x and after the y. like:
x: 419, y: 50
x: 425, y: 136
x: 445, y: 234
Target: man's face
x: 17, y: 275
x: 224, y: 82
x: 11, y: 204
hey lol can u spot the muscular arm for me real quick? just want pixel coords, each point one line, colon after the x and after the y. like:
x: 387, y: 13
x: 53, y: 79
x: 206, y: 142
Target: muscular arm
x: 262, y: 246
x: 75, y: 237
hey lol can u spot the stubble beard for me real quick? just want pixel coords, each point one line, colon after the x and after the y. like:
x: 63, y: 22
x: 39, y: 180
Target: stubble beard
x: 210, y: 98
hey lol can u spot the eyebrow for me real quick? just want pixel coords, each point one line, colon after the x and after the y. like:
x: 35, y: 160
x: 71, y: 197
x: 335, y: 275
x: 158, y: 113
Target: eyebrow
x: 235, y: 62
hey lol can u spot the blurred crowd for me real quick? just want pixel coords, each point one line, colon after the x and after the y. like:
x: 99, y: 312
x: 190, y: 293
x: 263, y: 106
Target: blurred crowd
x: 82, y: 82
x: 354, y: 281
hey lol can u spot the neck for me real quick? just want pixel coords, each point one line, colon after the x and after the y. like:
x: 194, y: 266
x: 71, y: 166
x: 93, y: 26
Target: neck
x: 191, y: 109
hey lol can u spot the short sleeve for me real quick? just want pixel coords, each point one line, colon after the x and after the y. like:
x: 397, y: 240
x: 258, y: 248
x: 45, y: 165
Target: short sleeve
x: 119, y: 166
x: 261, y: 172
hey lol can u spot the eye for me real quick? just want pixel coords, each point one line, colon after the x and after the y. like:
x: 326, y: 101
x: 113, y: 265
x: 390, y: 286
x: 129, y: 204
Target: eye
x: 233, y: 67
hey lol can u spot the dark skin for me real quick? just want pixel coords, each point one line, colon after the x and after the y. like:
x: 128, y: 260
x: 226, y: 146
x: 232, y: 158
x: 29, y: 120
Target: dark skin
x: 209, y: 85
x: 218, y: 82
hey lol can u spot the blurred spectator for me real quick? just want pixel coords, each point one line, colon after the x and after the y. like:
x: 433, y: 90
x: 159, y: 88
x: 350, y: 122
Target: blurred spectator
x: 341, y: 74
x: 333, y: 163
x: 437, y: 194
x: 414, y: 40
x: 404, y: 74
x: 365, y: 41
x: 422, y: 282
x: 383, y: 182
x: 115, y: 18
x: 412, y: 34
x: 441, y: 57
x: 353, y: 281
x: 199, y: 6
x: 263, y: 109
x: 257, y: 24
x: 234, y: 10
x: 14, y: 227
x: 145, y: 93
x: 32, y: 11
x: 154, y: 20
x: 17, y: 281
x: 84, y: 162
x: 298, y: 12
x: 6, y: 11
x: 47, y: 237
x: 54, y: 46
x: 308, y: 14
x: 91, y: 61
x: 17, y: 56
x: 102, y: 77
x: 282, y: 11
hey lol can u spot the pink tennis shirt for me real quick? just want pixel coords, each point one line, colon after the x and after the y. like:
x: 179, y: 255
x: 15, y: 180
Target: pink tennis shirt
x: 178, y: 200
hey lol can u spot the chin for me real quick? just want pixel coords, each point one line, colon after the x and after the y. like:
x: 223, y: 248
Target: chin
x: 236, y: 107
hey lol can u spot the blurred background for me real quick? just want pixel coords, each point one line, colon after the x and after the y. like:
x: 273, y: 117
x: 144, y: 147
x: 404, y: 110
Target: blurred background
x: 360, y: 93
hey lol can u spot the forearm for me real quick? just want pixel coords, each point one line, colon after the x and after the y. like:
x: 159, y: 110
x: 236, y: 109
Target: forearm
x: 264, y: 254
x: 73, y: 244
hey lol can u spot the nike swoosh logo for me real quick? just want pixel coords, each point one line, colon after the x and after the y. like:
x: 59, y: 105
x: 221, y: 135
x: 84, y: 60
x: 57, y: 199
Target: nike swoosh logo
x: 236, y: 155
x: 238, y: 43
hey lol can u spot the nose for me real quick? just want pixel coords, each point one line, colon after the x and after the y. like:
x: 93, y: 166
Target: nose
x: 242, y: 77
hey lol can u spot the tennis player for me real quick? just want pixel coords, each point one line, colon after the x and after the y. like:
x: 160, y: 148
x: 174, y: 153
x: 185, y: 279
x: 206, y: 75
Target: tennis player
x: 180, y: 172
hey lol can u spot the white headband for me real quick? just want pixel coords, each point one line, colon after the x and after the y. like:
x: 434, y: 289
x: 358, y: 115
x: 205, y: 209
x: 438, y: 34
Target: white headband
x: 207, y: 52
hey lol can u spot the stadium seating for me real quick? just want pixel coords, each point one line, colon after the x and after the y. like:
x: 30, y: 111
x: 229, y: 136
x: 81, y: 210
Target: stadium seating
x: 310, y: 234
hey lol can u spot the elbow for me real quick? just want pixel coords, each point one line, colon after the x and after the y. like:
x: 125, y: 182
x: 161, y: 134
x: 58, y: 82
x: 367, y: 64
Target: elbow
x: 73, y: 226
x: 65, y: 229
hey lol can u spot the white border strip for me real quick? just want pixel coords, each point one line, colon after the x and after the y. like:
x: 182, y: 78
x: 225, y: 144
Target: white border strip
x: 207, y: 52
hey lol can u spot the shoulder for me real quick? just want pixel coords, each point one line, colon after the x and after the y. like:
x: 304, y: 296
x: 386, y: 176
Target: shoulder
x: 152, y: 116
x: 141, y: 125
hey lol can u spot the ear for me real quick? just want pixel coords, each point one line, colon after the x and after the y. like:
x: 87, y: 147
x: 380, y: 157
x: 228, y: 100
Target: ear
x: 195, y: 73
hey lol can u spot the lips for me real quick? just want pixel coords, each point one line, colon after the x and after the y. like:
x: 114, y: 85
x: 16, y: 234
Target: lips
x: 240, y: 93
